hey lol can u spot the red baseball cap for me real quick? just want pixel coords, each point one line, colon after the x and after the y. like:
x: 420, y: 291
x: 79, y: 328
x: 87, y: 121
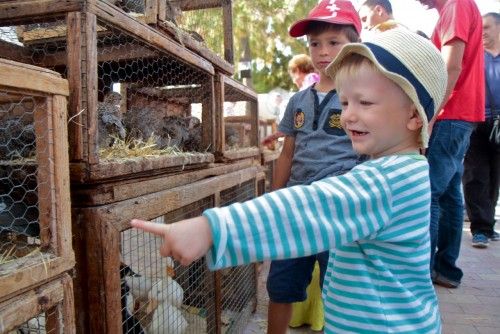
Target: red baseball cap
x: 331, y: 11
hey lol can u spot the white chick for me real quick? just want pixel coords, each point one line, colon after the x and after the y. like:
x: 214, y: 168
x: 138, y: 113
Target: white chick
x: 139, y: 286
x: 167, y: 319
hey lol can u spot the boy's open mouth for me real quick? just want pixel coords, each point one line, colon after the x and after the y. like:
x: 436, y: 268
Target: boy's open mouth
x: 358, y: 133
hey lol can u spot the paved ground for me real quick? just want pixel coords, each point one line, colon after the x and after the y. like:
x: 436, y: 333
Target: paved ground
x: 474, y: 308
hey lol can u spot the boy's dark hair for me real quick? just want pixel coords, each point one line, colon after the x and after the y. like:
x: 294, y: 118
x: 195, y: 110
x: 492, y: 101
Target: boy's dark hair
x: 494, y: 16
x: 382, y: 3
x: 318, y: 27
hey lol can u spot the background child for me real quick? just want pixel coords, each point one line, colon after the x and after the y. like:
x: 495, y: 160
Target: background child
x: 373, y: 219
x: 301, y: 70
x: 315, y: 145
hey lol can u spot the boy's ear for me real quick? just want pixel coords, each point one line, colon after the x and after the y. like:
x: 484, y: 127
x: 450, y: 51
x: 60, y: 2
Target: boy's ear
x: 415, y: 121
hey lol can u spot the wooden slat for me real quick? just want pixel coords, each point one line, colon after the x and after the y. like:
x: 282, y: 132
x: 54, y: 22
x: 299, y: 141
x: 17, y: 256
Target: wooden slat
x: 187, y: 5
x: 107, y: 193
x: 36, y: 269
x: 253, y: 109
x: 90, y: 93
x: 45, y: 173
x: 30, y: 77
x: 154, y: 205
x: 74, y: 73
x: 22, y: 308
x: 12, y: 11
x: 13, y: 52
x: 151, y: 11
x: 219, y: 113
x: 67, y: 309
x: 235, y: 87
x: 227, y: 13
x: 60, y: 164
x: 241, y: 153
x: 144, y: 32
x: 208, y: 112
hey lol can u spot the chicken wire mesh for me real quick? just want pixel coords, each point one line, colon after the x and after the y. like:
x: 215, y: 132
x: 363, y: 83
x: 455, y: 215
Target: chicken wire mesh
x: 240, y: 119
x: 22, y: 237
x: 159, y: 295
x: 238, y: 284
x: 44, y: 323
x: 149, y: 103
x: 204, y: 25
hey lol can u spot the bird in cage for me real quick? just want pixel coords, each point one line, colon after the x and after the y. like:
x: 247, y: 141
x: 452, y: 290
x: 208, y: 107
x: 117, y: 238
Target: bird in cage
x: 17, y: 140
x: 129, y: 322
x: 110, y: 123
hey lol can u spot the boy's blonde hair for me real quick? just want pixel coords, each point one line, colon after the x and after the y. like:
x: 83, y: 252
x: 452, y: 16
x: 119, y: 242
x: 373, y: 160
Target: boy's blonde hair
x: 410, y: 61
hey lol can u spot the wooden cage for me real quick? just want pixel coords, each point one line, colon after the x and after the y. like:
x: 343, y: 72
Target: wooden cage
x: 35, y: 225
x: 128, y: 80
x: 237, y: 120
x: 269, y: 159
x: 212, y: 301
x: 47, y: 309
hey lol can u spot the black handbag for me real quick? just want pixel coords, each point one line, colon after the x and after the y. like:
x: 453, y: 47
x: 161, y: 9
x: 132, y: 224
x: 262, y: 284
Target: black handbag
x: 495, y: 129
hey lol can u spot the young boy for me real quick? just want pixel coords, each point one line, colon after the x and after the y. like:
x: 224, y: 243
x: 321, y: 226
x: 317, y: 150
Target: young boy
x: 373, y: 219
x: 315, y: 145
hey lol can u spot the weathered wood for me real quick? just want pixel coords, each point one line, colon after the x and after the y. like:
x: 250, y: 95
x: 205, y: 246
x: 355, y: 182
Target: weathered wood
x: 241, y: 153
x: 74, y: 74
x: 68, y: 306
x: 20, y: 309
x: 219, y: 91
x: 90, y: 82
x: 42, y: 119
x: 154, y: 205
x: 36, y: 269
x: 14, y: 11
x: 187, y: 5
x: 268, y: 155
x: 151, y: 11
x: 253, y: 110
x: 134, y: 167
x: 236, y: 91
x: 28, y: 77
x: 208, y: 115
x: 227, y: 14
x: 142, y: 31
x: 62, y: 206
x: 13, y: 52
x: 106, y: 193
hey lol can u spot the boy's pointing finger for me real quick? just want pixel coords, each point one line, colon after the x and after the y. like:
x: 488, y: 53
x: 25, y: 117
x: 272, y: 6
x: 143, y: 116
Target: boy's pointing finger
x: 158, y: 229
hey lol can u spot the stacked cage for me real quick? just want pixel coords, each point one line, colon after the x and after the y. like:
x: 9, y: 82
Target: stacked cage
x: 142, y: 127
x: 237, y: 120
x: 35, y: 226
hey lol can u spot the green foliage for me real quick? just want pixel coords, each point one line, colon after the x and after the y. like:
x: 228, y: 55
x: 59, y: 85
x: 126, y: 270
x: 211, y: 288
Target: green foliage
x: 265, y: 24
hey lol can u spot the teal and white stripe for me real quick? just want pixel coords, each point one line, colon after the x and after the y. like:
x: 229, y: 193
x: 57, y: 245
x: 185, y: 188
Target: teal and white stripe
x: 375, y: 222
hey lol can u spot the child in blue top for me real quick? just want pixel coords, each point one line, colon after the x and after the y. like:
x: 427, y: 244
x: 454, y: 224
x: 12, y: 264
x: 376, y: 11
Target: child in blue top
x: 315, y: 145
x: 374, y: 219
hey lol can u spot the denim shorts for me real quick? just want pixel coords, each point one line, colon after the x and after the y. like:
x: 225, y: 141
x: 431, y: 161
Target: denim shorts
x: 288, y: 279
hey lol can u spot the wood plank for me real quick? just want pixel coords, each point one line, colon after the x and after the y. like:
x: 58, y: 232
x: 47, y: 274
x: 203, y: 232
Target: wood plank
x: 24, y: 76
x: 241, y: 153
x: 219, y: 89
x: 20, y: 309
x: 60, y: 164
x: 187, y: 5
x: 208, y: 112
x: 151, y: 11
x: 142, y: 31
x: 36, y: 269
x: 14, y: 11
x: 67, y: 309
x: 227, y: 14
x: 42, y: 119
x: 74, y: 73
x: 107, y: 193
x: 253, y: 109
x: 236, y: 88
x: 14, y: 52
x: 157, y: 204
x: 90, y: 81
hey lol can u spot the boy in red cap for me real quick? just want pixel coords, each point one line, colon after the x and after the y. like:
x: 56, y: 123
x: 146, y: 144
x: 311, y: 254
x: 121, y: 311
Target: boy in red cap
x: 315, y: 146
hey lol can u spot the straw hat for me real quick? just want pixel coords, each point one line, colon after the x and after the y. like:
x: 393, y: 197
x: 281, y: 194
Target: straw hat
x: 409, y: 60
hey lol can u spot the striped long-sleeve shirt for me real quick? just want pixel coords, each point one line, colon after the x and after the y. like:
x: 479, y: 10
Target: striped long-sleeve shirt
x: 375, y: 222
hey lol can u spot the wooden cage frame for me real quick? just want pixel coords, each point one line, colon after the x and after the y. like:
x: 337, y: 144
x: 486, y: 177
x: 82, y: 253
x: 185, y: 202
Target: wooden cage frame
x: 236, y: 92
x: 52, y: 160
x: 56, y: 294
x: 99, y: 246
x: 81, y: 61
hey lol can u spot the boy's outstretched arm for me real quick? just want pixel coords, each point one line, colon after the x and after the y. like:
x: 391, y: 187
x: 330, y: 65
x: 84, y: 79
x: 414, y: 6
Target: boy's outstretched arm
x: 186, y: 241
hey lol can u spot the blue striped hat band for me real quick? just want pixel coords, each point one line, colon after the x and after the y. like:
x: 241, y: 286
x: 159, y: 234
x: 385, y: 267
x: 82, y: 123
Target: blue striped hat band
x: 394, y: 65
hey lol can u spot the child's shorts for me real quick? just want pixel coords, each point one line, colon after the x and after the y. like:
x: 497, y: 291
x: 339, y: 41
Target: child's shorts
x: 288, y: 279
